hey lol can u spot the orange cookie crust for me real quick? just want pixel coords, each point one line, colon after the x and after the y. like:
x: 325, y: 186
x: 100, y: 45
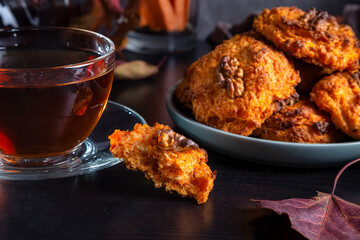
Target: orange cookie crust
x: 313, y: 36
x: 339, y: 95
x: 167, y: 158
x: 302, y: 122
x: 235, y: 87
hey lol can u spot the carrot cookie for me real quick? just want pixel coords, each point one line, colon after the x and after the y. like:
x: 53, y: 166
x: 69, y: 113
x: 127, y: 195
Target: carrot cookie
x: 235, y: 87
x: 167, y: 158
x: 313, y: 36
x: 339, y: 95
x: 302, y: 122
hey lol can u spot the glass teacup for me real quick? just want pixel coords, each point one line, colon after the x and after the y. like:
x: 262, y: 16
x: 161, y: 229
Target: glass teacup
x: 54, y: 86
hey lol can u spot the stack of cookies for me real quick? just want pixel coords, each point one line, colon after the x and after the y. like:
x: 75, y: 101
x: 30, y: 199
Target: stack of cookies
x: 294, y: 78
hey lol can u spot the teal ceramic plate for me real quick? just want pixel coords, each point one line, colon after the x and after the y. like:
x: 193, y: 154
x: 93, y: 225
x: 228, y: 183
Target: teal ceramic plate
x: 260, y: 150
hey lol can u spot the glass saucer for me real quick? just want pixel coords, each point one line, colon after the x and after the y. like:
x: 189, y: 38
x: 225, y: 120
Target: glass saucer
x: 94, y: 151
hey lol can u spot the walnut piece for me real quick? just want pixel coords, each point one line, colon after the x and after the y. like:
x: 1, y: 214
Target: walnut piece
x: 356, y: 77
x: 230, y: 76
x: 321, y: 126
x: 318, y: 19
x: 280, y: 104
x: 167, y: 139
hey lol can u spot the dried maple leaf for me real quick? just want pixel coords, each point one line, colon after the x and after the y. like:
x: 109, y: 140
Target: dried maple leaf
x: 325, y: 216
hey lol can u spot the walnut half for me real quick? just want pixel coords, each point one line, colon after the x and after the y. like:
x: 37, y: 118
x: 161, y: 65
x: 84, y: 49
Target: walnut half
x: 230, y: 76
x: 167, y: 139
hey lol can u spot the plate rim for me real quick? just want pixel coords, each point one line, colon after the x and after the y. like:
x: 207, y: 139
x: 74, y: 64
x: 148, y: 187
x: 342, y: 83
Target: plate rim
x: 267, y: 146
x: 169, y: 102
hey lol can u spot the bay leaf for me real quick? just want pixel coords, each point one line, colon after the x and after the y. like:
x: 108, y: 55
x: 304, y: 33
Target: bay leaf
x: 134, y: 70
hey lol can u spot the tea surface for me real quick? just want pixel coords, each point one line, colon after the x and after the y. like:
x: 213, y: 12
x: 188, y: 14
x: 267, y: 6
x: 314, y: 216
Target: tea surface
x: 45, y: 120
x: 42, y: 58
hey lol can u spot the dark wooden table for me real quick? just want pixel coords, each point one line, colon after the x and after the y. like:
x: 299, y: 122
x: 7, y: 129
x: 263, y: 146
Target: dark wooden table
x: 119, y: 204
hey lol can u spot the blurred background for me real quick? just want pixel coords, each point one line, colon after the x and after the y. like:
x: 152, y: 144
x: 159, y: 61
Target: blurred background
x: 15, y: 13
x: 232, y: 11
